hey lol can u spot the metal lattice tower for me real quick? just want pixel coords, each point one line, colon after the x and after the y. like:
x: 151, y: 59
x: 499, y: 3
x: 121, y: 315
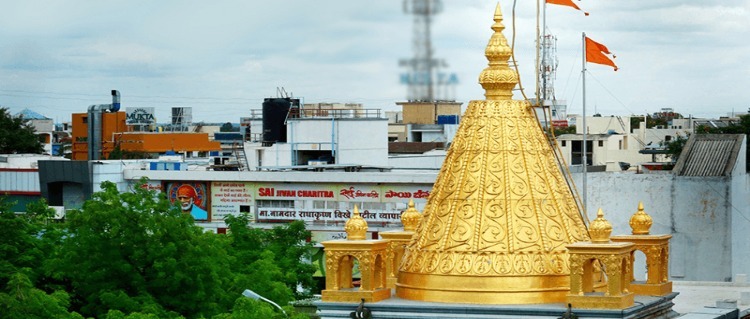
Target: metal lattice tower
x: 548, y: 66
x: 424, y: 81
x: 547, y: 75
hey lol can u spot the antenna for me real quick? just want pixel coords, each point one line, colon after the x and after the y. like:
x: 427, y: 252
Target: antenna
x: 281, y: 92
x: 424, y: 81
x: 547, y: 76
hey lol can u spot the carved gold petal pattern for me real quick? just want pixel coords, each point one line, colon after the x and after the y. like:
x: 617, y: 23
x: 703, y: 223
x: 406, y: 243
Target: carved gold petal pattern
x: 486, y: 264
x: 501, y: 194
x: 500, y: 191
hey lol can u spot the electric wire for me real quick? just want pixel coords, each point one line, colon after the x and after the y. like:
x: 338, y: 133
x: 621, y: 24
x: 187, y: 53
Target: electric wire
x: 556, y: 151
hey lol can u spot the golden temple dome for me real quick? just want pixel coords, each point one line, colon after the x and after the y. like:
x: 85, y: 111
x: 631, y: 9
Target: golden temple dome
x: 356, y: 226
x: 410, y: 218
x: 496, y: 226
x: 640, y: 222
x: 600, y: 229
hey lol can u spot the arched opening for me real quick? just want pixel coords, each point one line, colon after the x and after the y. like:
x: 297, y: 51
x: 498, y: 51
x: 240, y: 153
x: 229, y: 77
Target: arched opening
x: 640, y: 268
x: 587, y: 284
x: 348, y: 268
x: 599, y: 277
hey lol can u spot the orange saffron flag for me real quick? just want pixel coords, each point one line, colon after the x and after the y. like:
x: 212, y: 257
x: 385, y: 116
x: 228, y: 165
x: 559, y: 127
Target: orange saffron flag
x: 568, y: 3
x: 597, y: 53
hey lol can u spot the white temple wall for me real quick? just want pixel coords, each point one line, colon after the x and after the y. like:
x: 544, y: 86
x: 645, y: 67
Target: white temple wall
x: 697, y: 211
x: 740, y: 219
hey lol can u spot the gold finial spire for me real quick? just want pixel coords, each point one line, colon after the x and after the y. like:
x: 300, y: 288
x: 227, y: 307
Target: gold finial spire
x: 600, y: 228
x: 640, y: 222
x: 356, y: 226
x: 410, y: 217
x: 498, y: 79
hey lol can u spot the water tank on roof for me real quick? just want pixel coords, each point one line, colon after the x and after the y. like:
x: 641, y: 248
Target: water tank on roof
x: 275, y: 111
x: 447, y: 119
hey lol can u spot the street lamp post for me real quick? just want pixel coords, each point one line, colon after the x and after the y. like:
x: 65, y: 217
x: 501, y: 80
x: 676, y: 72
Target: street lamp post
x: 252, y: 294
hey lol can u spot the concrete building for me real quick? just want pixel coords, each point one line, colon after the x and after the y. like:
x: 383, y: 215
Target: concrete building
x: 43, y: 126
x: 19, y: 178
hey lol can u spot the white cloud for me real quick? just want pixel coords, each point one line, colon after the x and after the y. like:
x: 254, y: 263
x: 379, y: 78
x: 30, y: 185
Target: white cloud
x: 224, y: 57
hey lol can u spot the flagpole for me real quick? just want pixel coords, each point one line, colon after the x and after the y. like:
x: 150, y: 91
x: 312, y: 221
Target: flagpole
x: 584, y: 157
x: 544, y: 54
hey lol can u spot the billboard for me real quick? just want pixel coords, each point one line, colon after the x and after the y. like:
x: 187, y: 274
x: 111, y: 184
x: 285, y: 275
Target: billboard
x: 230, y: 198
x: 139, y: 116
x: 193, y: 198
x: 283, y: 202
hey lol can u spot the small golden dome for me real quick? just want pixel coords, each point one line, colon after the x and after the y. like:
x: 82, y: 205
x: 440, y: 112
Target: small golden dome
x: 640, y: 222
x: 356, y: 226
x: 600, y: 228
x: 410, y: 218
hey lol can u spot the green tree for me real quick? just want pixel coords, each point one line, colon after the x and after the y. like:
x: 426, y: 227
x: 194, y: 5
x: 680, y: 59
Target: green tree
x: 675, y: 146
x: 16, y: 135
x: 245, y: 308
x: 274, y: 263
x: 134, y: 251
x: 26, y: 240
x: 228, y: 127
x: 22, y: 301
x: 565, y: 130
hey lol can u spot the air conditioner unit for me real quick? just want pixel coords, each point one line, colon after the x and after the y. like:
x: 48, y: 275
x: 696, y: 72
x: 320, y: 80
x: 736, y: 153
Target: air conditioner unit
x: 59, y: 212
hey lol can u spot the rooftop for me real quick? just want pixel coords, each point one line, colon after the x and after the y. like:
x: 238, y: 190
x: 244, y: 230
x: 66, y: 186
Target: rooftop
x: 709, y: 155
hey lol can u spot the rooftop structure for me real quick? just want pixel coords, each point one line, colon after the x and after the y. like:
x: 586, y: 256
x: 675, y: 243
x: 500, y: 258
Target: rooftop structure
x: 709, y: 155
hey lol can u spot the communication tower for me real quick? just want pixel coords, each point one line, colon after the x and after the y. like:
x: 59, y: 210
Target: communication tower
x: 424, y: 79
x: 547, y: 75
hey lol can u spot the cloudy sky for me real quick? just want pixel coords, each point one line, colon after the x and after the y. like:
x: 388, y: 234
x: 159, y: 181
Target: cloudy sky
x: 223, y: 57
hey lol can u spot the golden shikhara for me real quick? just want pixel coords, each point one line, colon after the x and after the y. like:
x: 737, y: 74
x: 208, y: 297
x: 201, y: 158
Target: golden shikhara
x: 495, y: 227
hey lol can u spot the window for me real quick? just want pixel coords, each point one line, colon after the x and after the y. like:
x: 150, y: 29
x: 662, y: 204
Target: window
x: 601, y: 143
x: 368, y: 206
x: 324, y: 204
x: 668, y: 138
x: 563, y: 143
x: 275, y: 203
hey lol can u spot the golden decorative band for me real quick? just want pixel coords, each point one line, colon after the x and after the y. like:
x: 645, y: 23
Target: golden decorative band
x: 486, y: 265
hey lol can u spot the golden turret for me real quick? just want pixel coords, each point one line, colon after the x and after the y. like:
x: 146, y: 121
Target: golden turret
x: 356, y: 226
x: 640, y: 222
x: 495, y: 227
x: 410, y: 218
x: 600, y: 228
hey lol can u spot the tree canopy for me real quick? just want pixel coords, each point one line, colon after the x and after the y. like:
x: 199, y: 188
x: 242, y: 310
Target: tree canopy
x: 133, y: 255
x: 16, y: 135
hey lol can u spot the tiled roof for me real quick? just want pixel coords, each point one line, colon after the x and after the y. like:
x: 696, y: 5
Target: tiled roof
x: 31, y: 115
x: 709, y: 155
